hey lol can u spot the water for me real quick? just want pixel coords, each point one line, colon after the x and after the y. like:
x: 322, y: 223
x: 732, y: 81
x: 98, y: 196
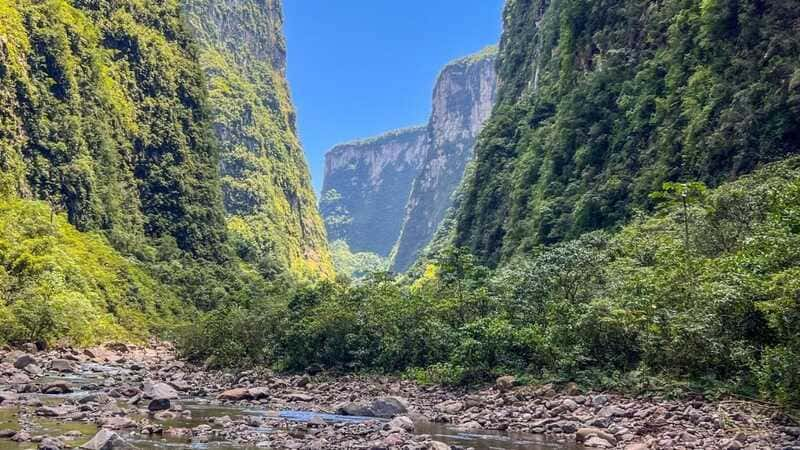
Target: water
x: 203, y: 412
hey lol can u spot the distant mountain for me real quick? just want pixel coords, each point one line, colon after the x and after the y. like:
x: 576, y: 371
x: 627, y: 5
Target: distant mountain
x: 388, y: 194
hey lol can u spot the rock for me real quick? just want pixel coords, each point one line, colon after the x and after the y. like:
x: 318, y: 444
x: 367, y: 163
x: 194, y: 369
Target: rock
x: 584, y: 434
x: 8, y: 397
x: 63, y: 365
x: 50, y: 444
x: 597, y: 442
x: 471, y: 425
x: 612, y: 411
x: 259, y: 392
x: 569, y: 405
x: 235, y: 395
x: 317, y: 421
x: 19, y: 378
x: 118, y: 423
x: 638, y: 446
x: 30, y: 347
x: 505, y: 383
x: 58, y: 387
x: 23, y: 361
x: 106, y: 440
x: 731, y: 444
x: 436, y: 445
x: 22, y: 436
x: 298, y: 397
x: 96, y: 397
x: 599, y: 400
x: 158, y: 404
x: 158, y: 391
x: 52, y: 411
x: 33, y: 369
x: 5, y: 434
x: 402, y: 422
x: 450, y: 407
x: 385, y: 408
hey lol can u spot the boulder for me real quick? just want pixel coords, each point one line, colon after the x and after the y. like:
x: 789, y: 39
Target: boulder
x: 585, y: 434
x: 597, y: 442
x: 118, y: 423
x: 53, y: 411
x: 505, y: 383
x: 158, y: 404
x: 5, y: 434
x: 50, y: 444
x: 63, y: 365
x: 235, y: 395
x: 106, y: 440
x: 8, y: 397
x: 58, y: 387
x: 259, y: 392
x: 402, y: 422
x: 384, y: 407
x: 436, y: 445
x: 95, y: 397
x: 159, y: 391
x: 22, y: 361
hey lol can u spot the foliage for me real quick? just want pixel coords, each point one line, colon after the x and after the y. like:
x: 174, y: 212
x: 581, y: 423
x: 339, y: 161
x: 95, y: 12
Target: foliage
x: 57, y: 283
x: 356, y: 265
x: 632, y: 308
x: 266, y: 186
x: 604, y: 101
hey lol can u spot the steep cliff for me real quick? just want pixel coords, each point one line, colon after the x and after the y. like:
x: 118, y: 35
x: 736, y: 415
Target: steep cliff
x: 102, y: 110
x: 271, y: 207
x: 601, y: 101
x: 462, y: 102
x: 366, y: 188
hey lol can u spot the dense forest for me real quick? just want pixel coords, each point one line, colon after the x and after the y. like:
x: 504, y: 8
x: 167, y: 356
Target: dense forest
x: 631, y: 219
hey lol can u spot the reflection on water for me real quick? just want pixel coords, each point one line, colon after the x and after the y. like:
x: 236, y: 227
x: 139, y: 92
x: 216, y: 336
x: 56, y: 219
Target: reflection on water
x: 490, y: 440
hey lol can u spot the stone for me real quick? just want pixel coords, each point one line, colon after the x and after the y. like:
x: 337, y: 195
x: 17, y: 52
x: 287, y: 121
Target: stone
x: 436, y: 445
x: 298, y: 397
x: 317, y: 421
x: 158, y: 391
x: 23, y: 361
x: 571, y: 389
x: 402, y: 422
x: 106, y: 440
x: 584, y: 434
x: 637, y: 446
x: 118, y: 423
x: 33, y: 369
x: 8, y: 397
x: 30, y: 347
x: 505, y: 383
x: 597, y: 442
x: 158, y: 404
x: 471, y: 425
x: 612, y: 411
x: 52, y: 411
x: 63, y: 365
x: 384, y: 407
x: 50, y: 444
x: 22, y: 436
x: 235, y: 395
x: 95, y: 397
x: 599, y: 400
x: 58, y: 387
x: 5, y: 434
x: 450, y: 407
x: 259, y: 393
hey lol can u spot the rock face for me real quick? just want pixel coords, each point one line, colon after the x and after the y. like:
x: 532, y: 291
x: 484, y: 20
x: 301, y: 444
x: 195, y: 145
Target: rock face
x: 266, y: 184
x: 462, y: 102
x: 387, y: 195
x: 366, y: 187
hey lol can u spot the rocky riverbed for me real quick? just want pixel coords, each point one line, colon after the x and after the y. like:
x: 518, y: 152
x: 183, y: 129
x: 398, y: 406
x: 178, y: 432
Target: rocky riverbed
x: 118, y: 396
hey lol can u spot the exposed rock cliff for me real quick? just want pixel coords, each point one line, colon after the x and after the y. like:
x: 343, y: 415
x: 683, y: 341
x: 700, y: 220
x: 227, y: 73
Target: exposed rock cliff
x: 271, y: 207
x: 462, y: 102
x: 367, y: 185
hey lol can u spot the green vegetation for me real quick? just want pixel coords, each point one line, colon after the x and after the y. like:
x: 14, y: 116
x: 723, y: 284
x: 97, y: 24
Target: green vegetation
x: 356, y: 265
x: 56, y: 282
x: 603, y: 101
x: 706, y: 292
x: 266, y: 185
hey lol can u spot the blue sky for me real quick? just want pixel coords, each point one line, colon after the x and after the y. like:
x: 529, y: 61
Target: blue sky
x: 361, y: 67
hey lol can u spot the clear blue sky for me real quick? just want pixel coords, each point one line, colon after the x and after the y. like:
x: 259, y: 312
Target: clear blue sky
x: 358, y: 68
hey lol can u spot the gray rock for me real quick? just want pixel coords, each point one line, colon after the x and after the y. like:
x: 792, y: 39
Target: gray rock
x: 158, y: 404
x: 612, y: 411
x: 597, y: 442
x: 50, y: 444
x: 8, y: 397
x: 235, y: 395
x: 58, y: 387
x: 402, y: 422
x: 106, y: 440
x: 63, y: 365
x: 599, y: 400
x: 158, y: 391
x: 24, y: 360
x: 385, y: 407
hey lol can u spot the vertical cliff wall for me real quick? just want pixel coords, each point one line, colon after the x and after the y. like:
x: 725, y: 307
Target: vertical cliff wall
x: 366, y: 187
x: 271, y: 207
x: 602, y: 101
x: 462, y: 102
